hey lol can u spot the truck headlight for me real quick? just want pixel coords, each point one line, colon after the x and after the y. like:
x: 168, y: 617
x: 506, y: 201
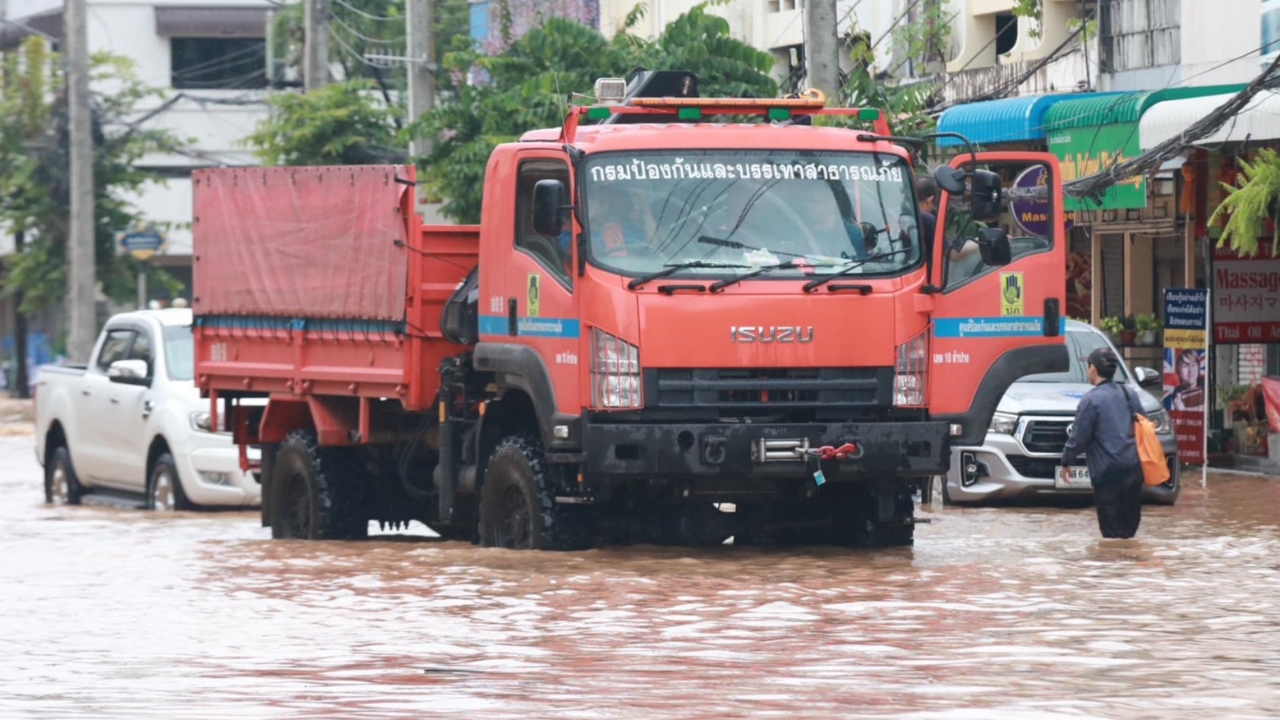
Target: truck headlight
x: 1003, y: 423
x: 1160, y: 419
x: 202, y: 421
x: 615, y: 372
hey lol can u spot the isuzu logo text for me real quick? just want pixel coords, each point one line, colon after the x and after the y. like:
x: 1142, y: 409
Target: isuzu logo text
x: 771, y: 334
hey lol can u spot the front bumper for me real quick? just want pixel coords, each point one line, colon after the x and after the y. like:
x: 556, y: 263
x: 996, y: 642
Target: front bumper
x: 1008, y: 472
x: 691, y: 451
x: 211, y: 475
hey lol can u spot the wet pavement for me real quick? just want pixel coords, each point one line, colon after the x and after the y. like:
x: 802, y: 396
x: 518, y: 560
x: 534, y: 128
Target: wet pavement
x: 109, y: 611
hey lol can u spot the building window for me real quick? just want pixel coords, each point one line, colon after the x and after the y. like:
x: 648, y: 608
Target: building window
x: 218, y: 63
x: 1006, y: 32
x: 480, y: 21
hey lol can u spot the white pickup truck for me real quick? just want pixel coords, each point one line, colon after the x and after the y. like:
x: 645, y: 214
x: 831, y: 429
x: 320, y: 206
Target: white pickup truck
x: 132, y: 422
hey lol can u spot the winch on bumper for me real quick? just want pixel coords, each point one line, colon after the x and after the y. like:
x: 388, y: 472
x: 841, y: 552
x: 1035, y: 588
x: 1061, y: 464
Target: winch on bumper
x: 674, y: 451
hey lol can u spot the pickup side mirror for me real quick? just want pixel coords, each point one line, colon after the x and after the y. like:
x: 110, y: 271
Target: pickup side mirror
x: 987, y: 192
x: 548, y: 207
x: 1147, y: 377
x: 994, y: 245
x: 129, y: 372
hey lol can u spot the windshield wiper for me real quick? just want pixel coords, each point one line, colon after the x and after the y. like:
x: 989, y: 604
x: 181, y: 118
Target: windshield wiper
x: 735, y: 245
x: 788, y: 265
x: 819, y: 282
x: 677, y: 267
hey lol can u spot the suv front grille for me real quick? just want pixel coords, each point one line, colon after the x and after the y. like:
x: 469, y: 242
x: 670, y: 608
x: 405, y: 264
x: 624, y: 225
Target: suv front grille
x: 767, y: 388
x: 1045, y: 436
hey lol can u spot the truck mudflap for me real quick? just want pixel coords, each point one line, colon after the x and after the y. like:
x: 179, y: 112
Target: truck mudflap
x: 678, y: 451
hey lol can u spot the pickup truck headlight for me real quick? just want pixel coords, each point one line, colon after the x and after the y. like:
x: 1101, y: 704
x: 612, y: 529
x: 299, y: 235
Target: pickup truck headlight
x: 202, y: 421
x: 1003, y: 423
x: 1160, y: 419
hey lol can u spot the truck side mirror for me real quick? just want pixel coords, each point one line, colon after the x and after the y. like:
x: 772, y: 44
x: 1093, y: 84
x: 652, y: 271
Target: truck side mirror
x: 548, y: 207
x: 950, y: 179
x: 994, y: 245
x: 987, y: 193
x: 1147, y: 377
x: 129, y: 372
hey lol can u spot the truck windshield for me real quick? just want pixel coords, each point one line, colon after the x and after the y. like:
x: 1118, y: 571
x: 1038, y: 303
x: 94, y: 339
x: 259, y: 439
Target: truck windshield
x: 179, y: 352
x: 821, y: 212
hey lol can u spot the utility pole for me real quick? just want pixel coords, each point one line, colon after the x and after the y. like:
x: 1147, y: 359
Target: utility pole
x: 81, y: 286
x: 315, y: 65
x: 822, y: 47
x: 420, y: 48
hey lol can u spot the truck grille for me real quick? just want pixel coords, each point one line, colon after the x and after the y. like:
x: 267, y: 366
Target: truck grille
x: 1045, y: 436
x: 767, y: 389
x: 1042, y: 468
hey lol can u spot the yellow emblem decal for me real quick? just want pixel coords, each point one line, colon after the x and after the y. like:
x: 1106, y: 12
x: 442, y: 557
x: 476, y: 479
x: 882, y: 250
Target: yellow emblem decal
x: 535, y: 291
x: 1012, y: 294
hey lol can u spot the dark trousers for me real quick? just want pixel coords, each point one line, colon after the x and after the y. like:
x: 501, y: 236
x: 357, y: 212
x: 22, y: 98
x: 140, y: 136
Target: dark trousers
x: 1118, y: 496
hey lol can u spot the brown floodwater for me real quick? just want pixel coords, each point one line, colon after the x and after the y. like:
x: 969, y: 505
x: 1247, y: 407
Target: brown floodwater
x: 1000, y: 614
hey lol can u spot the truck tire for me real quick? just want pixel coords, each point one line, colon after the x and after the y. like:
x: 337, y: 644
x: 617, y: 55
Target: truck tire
x: 164, y: 487
x: 311, y: 493
x: 61, y: 486
x: 518, y: 508
x: 856, y: 519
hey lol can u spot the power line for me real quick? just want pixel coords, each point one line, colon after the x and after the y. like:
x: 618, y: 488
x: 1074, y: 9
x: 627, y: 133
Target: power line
x: 363, y: 37
x: 368, y: 16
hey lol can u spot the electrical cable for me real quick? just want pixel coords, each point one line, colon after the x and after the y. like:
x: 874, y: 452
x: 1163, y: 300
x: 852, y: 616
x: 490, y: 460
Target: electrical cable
x: 366, y: 15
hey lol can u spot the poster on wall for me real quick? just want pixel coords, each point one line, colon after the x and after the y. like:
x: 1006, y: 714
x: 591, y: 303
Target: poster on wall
x: 1185, y: 369
x: 1246, y: 297
x: 1079, y: 286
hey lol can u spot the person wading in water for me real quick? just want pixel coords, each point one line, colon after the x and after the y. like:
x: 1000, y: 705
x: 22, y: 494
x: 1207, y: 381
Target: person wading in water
x: 1103, y: 430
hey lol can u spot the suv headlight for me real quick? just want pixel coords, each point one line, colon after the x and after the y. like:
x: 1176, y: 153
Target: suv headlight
x: 202, y: 421
x: 1003, y: 423
x: 1160, y: 419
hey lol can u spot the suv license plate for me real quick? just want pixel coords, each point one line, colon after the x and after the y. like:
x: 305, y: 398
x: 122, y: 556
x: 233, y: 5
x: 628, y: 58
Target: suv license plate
x: 1079, y: 479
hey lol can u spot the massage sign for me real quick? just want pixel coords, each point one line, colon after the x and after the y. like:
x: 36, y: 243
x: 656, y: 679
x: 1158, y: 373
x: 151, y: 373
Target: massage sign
x: 1246, y: 297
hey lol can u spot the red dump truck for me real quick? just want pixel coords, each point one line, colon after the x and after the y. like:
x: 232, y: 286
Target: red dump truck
x: 658, y: 316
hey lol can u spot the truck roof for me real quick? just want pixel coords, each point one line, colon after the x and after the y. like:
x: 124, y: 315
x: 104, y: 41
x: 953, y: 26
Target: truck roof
x: 734, y: 136
x: 169, y: 317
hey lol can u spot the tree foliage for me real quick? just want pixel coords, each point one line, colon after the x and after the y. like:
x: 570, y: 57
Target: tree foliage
x: 342, y: 124
x: 35, y: 170
x: 1250, y: 203
x: 529, y: 86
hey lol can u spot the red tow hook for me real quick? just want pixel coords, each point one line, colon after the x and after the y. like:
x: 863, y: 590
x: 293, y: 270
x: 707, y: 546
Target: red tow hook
x: 844, y: 452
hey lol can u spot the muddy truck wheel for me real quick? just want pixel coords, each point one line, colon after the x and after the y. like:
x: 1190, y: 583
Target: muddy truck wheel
x: 518, y: 507
x: 313, y: 493
x: 61, y: 486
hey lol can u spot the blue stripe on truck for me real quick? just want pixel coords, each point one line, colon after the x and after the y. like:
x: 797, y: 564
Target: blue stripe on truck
x: 988, y: 327
x: 531, y: 327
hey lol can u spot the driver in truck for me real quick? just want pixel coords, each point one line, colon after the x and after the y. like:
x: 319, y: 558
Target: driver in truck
x: 621, y: 217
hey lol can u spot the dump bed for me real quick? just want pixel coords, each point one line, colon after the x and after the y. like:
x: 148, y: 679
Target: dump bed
x: 322, y: 281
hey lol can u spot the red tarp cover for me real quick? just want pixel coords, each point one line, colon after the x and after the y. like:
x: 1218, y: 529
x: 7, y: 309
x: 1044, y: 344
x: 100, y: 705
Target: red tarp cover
x: 312, y: 242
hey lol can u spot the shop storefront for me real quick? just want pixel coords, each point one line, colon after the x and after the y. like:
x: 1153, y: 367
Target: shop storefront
x: 1244, y: 291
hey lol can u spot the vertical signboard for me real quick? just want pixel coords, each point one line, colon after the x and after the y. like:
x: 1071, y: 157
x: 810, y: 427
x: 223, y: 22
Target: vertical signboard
x: 1185, y: 364
x: 1246, y: 297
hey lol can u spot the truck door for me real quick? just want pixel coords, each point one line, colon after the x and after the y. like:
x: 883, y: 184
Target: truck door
x: 92, y: 451
x: 126, y: 436
x: 994, y: 324
x: 530, y: 299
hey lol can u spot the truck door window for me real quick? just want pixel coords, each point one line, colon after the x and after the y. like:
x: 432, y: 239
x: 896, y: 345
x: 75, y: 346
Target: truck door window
x: 1027, y: 224
x: 114, y: 347
x: 141, y: 350
x: 553, y: 253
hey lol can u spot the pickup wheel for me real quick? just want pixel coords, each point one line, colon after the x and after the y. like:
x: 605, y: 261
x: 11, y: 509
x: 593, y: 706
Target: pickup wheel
x: 518, y: 508
x: 312, y: 493
x: 164, y: 488
x: 61, y: 486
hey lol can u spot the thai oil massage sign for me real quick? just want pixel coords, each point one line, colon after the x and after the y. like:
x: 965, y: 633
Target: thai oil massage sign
x: 680, y: 169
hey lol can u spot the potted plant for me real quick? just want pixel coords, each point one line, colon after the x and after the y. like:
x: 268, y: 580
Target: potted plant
x: 1147, y: 326
x: 1112, y: 327
x: 1129, y: 330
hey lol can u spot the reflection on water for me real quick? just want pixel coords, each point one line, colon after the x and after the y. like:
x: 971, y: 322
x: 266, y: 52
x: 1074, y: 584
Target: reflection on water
x: 1010, y: 613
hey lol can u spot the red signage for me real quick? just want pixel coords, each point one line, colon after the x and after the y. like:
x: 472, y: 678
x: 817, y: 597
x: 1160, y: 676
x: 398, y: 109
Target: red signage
x: 1246, y: 297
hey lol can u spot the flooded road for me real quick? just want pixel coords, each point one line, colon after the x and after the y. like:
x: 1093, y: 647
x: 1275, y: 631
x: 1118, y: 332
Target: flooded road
x: 995, y: 614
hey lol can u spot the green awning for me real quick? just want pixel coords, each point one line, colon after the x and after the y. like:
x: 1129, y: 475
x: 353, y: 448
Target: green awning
x: 1125, y: 108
